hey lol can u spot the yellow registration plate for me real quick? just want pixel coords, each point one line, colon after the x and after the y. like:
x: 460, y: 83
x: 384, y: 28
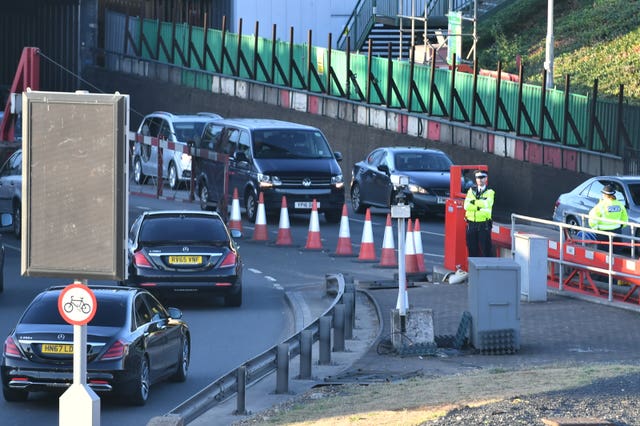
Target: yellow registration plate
x: 55, y: 348
x: 185, y: 260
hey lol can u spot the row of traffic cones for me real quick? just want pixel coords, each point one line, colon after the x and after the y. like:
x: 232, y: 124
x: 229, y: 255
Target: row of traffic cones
x: 414, y: 259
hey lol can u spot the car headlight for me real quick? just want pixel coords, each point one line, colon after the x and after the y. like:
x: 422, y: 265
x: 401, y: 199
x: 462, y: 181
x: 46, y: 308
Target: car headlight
x: 337, y: 180
x: 266, y: 181
x: 417, y: 188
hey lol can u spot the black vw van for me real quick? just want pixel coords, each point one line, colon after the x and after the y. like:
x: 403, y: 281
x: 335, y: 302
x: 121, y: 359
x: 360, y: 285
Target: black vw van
x: 277, y: 158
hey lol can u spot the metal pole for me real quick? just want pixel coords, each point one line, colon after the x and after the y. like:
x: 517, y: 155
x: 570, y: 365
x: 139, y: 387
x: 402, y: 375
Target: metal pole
x: 548, y: 61
x: 401, y: 304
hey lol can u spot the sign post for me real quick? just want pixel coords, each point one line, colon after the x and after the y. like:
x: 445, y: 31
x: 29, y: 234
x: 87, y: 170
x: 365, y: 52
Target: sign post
x: 401, y: 211
x: 79, y: 405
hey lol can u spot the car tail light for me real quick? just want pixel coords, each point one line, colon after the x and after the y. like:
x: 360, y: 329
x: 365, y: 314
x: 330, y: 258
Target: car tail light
x: 11, y: 349
x: 141, y: 261
x: 116, y: 351
x: 229, y: 260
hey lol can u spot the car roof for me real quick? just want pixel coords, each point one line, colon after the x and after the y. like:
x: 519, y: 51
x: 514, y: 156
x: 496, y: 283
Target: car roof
x: 401, y: 149
x: 182, y: 212
x: 264, y: 124
x: 101, y: 288
x: 204, y: 117
x: 622, y: 178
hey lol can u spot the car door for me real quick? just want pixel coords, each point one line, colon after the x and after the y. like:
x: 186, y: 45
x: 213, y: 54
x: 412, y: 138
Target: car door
x: 154, y: 337
x: 366, y: 176
x: 380, y: 181
x: 208, y: 171
x: 169, y: 337
x: 166, y: 133
x: 10, y: 181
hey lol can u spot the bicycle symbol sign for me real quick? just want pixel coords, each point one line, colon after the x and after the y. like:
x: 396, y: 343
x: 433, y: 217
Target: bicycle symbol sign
x: 77, y: 304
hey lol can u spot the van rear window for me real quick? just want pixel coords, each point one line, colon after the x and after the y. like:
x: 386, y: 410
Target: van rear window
x: 283, y: 143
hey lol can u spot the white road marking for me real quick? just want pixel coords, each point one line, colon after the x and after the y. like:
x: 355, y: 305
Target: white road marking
x: 270, y: 278
x: 255, y: 271
x: 278, y: 287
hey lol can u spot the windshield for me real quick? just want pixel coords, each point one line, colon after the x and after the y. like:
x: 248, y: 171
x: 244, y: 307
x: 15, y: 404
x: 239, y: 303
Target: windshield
x: 422, y: 161
x: 288, y: 143
x: 111, y: 312
x: 182, y: 228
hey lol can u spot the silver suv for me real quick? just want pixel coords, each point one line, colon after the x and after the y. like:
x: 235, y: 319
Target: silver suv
x: 179, y: 129
x: 11, y: 189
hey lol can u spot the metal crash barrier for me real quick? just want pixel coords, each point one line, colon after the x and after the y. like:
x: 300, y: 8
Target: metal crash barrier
x: 339, y: 316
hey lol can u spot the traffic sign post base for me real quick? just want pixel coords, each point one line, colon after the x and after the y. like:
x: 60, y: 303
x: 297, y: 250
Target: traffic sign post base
x: 79, y: 405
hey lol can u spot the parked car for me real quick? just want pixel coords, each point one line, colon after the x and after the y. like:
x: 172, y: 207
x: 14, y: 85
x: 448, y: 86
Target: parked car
x: 570, y: 206
x: 133, y: 341
x: 427, y: 170
x: 179, y: 129
x: 185, y: 252
x: 11, y: 189
x: 276, y: 158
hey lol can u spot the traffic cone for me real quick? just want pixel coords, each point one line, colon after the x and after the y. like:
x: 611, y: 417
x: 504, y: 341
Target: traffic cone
x: 236, y: 220
x: 417, y: 243
x: 344, y: 247
x: 410, y: 266
x: 388, y: 258
x: 367, y: 250
x: 260, y: 230
x: 313, y: 237
x: 284, y: 232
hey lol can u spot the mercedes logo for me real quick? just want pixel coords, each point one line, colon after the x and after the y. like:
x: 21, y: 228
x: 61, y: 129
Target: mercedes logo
x: 185, y: 249
x: 306, y: 182
x: 60, y: 336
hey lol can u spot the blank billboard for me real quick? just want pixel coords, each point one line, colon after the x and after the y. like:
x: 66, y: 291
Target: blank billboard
x: 74, y: 208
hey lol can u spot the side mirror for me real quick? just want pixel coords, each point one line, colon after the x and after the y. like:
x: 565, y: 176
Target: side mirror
x: 338, y: 155
x: 236, y: 233
x: 6, y: 220
x: 383, y: 168
x: 174, y: 313
x: 241, y: 156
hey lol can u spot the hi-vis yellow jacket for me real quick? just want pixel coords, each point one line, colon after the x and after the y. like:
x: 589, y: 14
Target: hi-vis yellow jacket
x: 478, y: 205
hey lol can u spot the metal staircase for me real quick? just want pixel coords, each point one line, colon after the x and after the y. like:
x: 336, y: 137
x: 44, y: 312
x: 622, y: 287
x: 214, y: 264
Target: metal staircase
x: 402, y: 23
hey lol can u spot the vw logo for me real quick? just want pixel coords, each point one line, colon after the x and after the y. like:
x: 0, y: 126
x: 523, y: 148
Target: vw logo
x: 185, y: 249
x: 306, y: 182
x: 60, y: 336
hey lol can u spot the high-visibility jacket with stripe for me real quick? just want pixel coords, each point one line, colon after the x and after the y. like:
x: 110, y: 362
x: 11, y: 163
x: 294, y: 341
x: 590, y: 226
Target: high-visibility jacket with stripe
x: 604, y: 214
x: 478, y: 204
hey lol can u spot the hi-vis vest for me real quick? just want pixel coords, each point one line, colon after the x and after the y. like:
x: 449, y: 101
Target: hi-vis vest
x: 606, y: 211
x: 480, y: 209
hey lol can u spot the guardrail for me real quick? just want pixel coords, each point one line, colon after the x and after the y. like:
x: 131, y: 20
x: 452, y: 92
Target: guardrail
x: 277, y: 358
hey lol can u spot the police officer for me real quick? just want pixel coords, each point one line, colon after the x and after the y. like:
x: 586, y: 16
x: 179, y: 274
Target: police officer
x: 607, y: 215
x: 478, y: 206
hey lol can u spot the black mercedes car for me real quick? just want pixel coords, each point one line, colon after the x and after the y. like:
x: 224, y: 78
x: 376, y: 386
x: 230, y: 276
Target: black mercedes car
x: 427, y: 170
x: 133, y: 341
x: 185, y: 252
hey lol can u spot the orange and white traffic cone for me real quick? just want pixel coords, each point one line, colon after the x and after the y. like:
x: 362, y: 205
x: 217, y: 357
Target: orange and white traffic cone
x: 367, y: 249
x: 344, y: 247
x: 236, y: 221
x: 410, y: 266
x: 313, y: 237
x: 417, y: 243
x: 388, y: 258
x: 260, y: 230
x: 284, y: 230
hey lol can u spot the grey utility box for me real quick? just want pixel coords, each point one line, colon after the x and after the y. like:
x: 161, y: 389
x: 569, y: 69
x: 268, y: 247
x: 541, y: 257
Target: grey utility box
x: 531, y: 255
x: 494, y: 304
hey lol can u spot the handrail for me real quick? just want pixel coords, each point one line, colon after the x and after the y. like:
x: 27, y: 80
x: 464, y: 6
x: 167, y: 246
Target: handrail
x: 257, y: 367
x: 564, y: 229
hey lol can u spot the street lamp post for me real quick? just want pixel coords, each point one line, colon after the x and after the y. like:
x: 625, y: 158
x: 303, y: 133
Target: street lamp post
x: 548, y: 61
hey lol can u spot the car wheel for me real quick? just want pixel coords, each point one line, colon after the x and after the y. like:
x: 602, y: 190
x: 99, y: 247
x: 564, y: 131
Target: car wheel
x: 204, y: 197
x: 14, y: 395
x: 173, y: 176
x: 138, y: 176
x: 140, y: 393
x: 572, y: 220
x: 251, y: 205
x: 356, y: 201
x: 233, y: 300
x: 333, y: 216
x: 183, y: 361
x: 17, y: 220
